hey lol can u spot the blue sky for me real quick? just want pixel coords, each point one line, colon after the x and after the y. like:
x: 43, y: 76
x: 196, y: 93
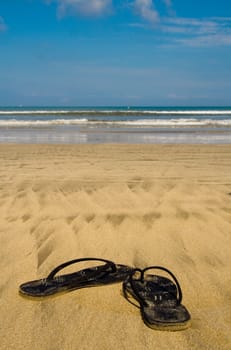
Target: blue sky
x: 114, y: 52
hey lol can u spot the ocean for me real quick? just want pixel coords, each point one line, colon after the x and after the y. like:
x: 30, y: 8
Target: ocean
x: 68, y: 125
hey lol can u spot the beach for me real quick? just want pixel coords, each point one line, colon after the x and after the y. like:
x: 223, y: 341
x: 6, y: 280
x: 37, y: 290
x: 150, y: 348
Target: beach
x: 134, y: 204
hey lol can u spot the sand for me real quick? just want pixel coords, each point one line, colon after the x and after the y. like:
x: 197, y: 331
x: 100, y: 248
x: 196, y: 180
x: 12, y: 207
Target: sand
x: 139, y: 205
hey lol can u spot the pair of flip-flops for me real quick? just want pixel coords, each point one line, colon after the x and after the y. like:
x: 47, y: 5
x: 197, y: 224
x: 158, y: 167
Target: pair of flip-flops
x: 159, y: 298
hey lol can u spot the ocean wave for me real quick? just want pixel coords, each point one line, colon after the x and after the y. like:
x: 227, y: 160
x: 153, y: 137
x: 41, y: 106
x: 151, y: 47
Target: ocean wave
x: 174, y: 122
x: 116, y: 112
x: 34, y: 123
x: 180, y: 122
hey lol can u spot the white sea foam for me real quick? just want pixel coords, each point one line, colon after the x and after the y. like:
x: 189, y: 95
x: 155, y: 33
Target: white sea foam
x: 114, y: 112
x: 33, y: 112
x: 25, y: 123
x: 181, y: 122
x: 175, y: 122
x: 189, y: 112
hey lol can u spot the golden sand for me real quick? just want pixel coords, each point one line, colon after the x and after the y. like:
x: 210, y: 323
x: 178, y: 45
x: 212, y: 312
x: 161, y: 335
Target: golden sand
x: 139, y: 205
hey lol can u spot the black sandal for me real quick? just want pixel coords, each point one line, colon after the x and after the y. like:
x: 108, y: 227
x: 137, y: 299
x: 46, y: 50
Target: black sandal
x: 159, y: 299
x: 89, y: 277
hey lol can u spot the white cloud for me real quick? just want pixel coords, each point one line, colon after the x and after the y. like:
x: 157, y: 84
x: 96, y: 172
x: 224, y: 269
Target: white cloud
x: 207, y: 40
x: 146, y: 10
x: 213, y: 31
x: 3, y: 26
x: 83, y: 7
x: 143, y: 8
x: 190, y: 25
x: 168, y: 4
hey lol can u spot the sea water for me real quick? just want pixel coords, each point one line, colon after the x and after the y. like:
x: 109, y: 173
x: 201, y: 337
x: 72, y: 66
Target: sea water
x: 115, y: 124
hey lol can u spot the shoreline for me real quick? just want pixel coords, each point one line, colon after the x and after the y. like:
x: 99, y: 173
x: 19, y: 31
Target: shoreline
x: 134, y: 204
x: 114, y: 135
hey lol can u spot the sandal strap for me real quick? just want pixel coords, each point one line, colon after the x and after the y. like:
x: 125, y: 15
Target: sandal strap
x: 125, y: 292
x: 141, y: 279
x: 179, y: 291
x: 62, y: 266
